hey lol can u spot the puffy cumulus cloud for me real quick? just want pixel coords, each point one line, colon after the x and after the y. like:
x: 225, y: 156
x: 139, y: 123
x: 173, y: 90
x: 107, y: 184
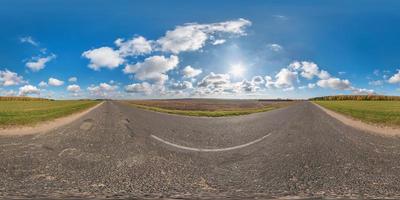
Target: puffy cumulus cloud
x: 285, y: 78
x: 28, y: 89
x: 144, y: 88
x: 42, y: 84
x: 275, y: 47
x: 110, y: 58
x: 215, y: 80
x: 74, y: 88
x: 55, y: 82
x: 182, y: 85
x: 103, y: 90
x: 253, y: 85
x: 395, y: 78
x: 216, y: 84
x: 38, y: 63
x: 73, y: 79
x: 9, y: 78
x: 335, y: 83
x: 136, y: 46
x: 193, y: 36
x: 309, y: 70
x: 153, y: 68
x: 190, y: 72
x: 103, y: 57
x: 248, y: 86
x: 257, y: 80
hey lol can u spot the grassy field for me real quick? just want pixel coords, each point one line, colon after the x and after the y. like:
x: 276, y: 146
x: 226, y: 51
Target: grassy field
x: 209, y: 107
x: 378, y: 112
x: 31, y: 112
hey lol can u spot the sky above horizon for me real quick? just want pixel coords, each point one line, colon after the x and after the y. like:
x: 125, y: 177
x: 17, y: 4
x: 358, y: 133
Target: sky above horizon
x: 192, y: 49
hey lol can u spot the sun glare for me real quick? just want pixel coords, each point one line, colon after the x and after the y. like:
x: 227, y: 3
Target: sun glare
x: 237, y: 70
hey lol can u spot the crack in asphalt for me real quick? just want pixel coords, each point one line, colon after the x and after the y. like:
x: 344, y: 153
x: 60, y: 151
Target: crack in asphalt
x: 209, y: 150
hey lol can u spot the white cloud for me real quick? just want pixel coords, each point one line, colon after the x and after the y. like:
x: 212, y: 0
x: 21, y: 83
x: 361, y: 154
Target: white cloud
x: 311, y: 85
x: 219, y: 41
x: 136, y: 46
x: 193, y: 36
x: 74, y: 88
x: 103, y: 57
x: 215, y: 80
x: 376, y: 83
x: 9, y: 78
x: 309, y: 70
x: 284, y: 79
x: 42, y: 84
x: 364, y: 91
x: 334, y: 83
x: 253, y: 85
x: 7, y: 93
x: 182, y: 85
x: 39, y: 63
x: 275, y: 47
x: 28, y: 89
x: 257, y: 80
x: 103, y: 90
x: 55, y: 82
x: 144, y: 88
x: 153, y: 68
x: 28, y: 39
x: 72, y: 79
x: 190, y: 72
x: 395, y: 78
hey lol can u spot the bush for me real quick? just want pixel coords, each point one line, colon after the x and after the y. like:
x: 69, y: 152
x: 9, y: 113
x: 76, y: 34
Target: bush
x: 357, y: 98
x: 22, y: 99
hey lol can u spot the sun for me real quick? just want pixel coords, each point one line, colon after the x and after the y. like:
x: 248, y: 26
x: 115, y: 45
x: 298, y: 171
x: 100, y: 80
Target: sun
x: 237, y: 70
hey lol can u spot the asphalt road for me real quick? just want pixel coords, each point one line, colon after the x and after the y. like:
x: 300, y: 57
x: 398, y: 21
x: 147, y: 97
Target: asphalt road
x: 120, y: 151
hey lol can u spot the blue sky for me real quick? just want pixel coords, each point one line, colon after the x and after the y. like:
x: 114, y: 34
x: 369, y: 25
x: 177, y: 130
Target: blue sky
x: 178, y: 49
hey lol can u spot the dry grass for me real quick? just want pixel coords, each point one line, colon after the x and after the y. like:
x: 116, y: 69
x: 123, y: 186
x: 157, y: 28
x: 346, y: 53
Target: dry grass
x: 209, y: 107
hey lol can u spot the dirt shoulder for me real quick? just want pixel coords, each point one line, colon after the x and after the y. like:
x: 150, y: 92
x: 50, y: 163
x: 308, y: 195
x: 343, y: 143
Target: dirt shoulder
x: 46, y: 126
x: 381, y: 130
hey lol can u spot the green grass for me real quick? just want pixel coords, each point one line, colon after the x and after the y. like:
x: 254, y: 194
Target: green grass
x: 377, y: 112
x: 31, y: 112
x: 203, y: 113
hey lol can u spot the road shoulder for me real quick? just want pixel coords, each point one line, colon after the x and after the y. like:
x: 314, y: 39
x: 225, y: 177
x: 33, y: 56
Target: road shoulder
x: 381, y: 130
x: 46, y: 126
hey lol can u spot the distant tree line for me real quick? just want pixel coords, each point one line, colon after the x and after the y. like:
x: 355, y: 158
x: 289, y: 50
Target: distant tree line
x: 23, y: 99
x: 357, y: 98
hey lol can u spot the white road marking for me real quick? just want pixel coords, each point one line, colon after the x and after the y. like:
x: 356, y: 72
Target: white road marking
x: 210, y: 150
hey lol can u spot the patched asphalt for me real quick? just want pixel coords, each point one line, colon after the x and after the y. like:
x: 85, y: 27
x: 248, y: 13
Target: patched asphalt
x: 109, y: 153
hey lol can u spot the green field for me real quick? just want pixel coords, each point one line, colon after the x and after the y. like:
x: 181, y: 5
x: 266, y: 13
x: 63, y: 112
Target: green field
x: 31, y: 112
x: 378, y: 112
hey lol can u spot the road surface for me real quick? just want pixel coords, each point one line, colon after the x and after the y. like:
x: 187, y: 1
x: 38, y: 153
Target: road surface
x: 120, y: 151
